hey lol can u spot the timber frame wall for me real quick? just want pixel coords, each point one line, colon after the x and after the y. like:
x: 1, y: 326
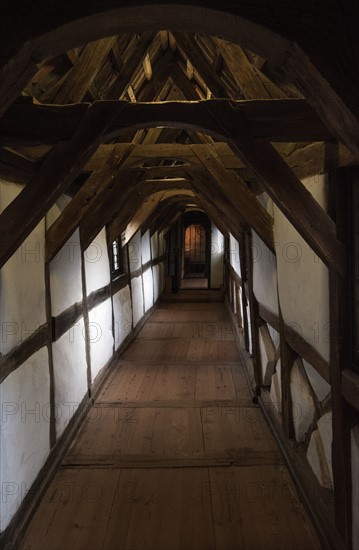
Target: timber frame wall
x: 46, y: 336
x: 331, y: 510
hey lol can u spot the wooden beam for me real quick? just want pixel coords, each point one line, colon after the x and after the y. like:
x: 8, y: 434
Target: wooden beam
x: 250, y: 209
x: 304, y: 159
x: 15, y: 167
x: 79, y: 79
x: 250, y: 81
x: 275, y: 120
x: 83, y: 202
x: 135, y: 60
x: 297, y: 343
x: 53, y: 178
x: 114, y: 197
x: 200, y: 63
x: 290, y: 195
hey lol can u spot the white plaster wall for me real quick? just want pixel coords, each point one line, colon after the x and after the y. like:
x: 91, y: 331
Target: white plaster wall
x: 134, y: 252
x: 65, y: 276
x: 97, y: 263
x: 302, y: 402
x: 319, y: 452
x: 266, y: 202
x: 264, y: 274
x: 22, y: 283
x: 146, y: 247
x: 355, y: 484
x: 303, y: 278
x: 148, y: 288
x: 319, y: 385
x: 267, y: 354
x: 234, y: 254
x: 137, y: 299
x: 122, y: 308
x: 156, y: 282
x: 217, y: 257
x: 276, y: 387
x: 25, y: 444
x: 56, y: 209
x: 70, y: 373
x: 154, y: 246
x: 101, y: 338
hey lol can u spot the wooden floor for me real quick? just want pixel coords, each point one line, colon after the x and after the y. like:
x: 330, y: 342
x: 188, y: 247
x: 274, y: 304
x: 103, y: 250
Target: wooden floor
x: 174, y: 454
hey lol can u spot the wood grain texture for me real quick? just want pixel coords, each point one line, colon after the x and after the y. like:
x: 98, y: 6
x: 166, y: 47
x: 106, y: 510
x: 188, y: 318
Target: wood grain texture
x: 173, y: 454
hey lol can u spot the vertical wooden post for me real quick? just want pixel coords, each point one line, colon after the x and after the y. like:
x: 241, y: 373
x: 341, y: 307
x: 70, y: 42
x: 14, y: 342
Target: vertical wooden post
x: 253, y: 308
x: 244, y: 277
x: 51, y: 361
x: 86, y: 323
x: 287, y: 357
x: 340, y: 357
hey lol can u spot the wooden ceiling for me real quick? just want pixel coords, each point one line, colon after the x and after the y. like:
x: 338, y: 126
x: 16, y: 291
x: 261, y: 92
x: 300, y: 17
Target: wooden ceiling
x: 121, y: 122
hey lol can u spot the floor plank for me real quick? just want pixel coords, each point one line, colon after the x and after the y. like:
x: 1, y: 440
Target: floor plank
x: 174, y: 454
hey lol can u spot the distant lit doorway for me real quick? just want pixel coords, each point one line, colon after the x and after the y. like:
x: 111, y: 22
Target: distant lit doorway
x: 196, y: 243
x: 194, y: 252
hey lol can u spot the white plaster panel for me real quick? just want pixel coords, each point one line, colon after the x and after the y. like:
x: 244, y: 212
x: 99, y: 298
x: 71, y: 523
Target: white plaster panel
x: 319, y: 451
x: 355, y: 484
x: 137, y: 299
x: 154, y: 246
x: 234, y: 254
x: 122, y: 308
x: 267, y: 354
x: 325, y: 427
x: 65, y: 275
x: 148, y: 288
x: 97, y: 264
x: 275, y: 336
x: 303, y: 278
x: 276, y: 387
x: 25, y: 444
x: 303, y: 406
x: 70, y: 372
x: 22, y: 283
x: 266, y: 202
x: 146, y: 247
x: 134, y: 252
x: 264, y: 274
x: 217, y: 257
x: 101, y: 338
x: 156, y: 282
x: 317, y: 461
x: 319, y: 385
x: 56, y: 209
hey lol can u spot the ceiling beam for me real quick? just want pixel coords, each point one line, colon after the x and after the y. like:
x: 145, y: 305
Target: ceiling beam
x: 130, y: 68
x: 199, y: 61
x: 238, y: 194
x: 79, y: 79
x: 53, y: 178
x: 273, y: 120
x: 249, y: 79
x: 83, y: 202
x: 291, y: 197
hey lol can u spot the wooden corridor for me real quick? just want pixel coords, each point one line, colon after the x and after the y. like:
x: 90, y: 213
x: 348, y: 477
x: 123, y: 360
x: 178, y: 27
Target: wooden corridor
x: 174, y: 455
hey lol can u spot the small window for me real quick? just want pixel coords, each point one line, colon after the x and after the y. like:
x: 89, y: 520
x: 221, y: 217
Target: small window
x: 119, y: 259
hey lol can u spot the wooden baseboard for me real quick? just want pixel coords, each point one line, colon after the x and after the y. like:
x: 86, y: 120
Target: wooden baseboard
x: 10, y: 538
